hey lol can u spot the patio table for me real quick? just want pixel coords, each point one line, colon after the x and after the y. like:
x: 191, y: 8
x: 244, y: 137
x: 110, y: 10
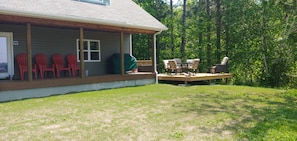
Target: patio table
x: 184, y: 67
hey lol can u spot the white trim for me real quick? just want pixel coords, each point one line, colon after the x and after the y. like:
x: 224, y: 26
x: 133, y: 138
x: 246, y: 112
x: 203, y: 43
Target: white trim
x: 10, y: 58
x: 89, y: 50
x: 131, y: 48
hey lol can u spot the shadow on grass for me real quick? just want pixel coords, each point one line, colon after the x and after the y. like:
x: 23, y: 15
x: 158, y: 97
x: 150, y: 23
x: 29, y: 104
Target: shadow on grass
x: 202, y: 82
x: 249, y: 117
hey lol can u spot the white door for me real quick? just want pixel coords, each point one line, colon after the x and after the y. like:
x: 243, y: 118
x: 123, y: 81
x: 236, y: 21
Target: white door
x: 6, y: 55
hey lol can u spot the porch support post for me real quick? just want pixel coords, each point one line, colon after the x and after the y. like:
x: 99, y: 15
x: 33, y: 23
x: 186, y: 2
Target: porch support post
x: 29, y: 52
x: 153, y: 54
x: 122, y: 54
x: 81, y: 53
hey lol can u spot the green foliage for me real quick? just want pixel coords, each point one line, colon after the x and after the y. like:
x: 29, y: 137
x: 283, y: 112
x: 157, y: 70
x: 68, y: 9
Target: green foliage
x: 277, y: 120
x: 259, y: 37
x: 142, y: 46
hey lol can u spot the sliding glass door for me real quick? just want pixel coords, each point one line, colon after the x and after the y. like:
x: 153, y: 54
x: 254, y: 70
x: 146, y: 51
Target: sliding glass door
x: 6, y: 55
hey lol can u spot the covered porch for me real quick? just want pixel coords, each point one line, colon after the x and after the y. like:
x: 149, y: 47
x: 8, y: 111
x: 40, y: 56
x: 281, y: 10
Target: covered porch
x: 82, y: 30
x: 14, y: 89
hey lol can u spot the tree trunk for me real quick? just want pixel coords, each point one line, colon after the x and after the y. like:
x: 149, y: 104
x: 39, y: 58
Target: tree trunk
x: 149, y: 47
x: 227, y: 29
x: 218, y: 26
x: 263, y: 41
x: 183, y: 39
x: 200, y: 41
x: 208, y: 33
x: 171, y: 29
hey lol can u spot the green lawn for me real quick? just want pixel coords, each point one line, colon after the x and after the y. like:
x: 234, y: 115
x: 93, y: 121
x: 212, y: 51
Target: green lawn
x: 155, y: 113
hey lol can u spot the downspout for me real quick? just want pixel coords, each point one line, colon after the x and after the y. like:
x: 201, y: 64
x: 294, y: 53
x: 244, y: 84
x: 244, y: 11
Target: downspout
x: 155, y: 54
x: 131, y: 48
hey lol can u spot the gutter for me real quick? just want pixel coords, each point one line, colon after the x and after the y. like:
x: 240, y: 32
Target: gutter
x: 155, y: 55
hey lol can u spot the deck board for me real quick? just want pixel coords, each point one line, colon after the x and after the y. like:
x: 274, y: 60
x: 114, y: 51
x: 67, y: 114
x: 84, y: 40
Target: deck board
x: 195, y: 77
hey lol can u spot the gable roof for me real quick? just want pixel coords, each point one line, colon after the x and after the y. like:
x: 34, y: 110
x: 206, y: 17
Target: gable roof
x: 120, y: 13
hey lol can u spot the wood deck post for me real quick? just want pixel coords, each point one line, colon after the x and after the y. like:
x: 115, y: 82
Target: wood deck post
x: 29, y: 51
x: 226, y: 81
x: 122, y: 54
x: 81, y: 53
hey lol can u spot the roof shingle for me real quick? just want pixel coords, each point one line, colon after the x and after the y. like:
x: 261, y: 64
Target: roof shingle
x: 124, y: 13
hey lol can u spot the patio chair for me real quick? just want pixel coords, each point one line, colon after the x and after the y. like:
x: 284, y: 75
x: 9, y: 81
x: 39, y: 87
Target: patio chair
x: 42, y: 64
x: 219, y: 68
x: 166, y: 66
x: 173, y: 66
x: 58, y: 61
x: 72, y: 63
x: 178, y: 62
x: 23, y: 65
x: 192, y: 65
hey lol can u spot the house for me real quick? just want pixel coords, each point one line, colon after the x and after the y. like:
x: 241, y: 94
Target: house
x: 58, y: 26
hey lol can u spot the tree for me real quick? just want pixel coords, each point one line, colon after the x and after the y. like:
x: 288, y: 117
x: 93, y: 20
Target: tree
x: 183, y: 36
x: 142, y: 42
x: 218, y: 26
x: 259, y: 37
x: 171, y: 28
x: 208, y: 32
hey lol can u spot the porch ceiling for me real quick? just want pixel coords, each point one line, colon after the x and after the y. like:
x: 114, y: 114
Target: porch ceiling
x: 70, y: 24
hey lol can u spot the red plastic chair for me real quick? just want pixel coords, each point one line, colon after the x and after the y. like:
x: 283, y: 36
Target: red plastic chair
x: 23, y: 65
x: 58, y: 61
x: 72, y: 63
x: 41, y: 61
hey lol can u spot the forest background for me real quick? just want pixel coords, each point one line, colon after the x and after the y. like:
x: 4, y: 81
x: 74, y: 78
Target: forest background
x: 258, y: 36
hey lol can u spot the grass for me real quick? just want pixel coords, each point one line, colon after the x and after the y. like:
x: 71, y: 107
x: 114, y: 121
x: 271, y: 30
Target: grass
x: 155, y: 112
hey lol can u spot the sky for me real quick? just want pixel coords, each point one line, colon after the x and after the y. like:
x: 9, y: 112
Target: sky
x: 174, y: 1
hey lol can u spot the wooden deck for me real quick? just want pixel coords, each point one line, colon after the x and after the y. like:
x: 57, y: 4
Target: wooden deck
x: 194, y: 77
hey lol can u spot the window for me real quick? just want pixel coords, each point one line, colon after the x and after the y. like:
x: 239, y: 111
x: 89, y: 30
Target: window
x: 91, y: 50
x: 101, y: 2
